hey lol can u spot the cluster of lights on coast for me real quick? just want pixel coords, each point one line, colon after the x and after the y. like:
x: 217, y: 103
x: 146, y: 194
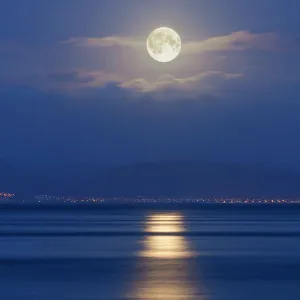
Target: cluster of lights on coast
x: 61, y: 199
x: 163, y: 200
x: 5, y: 195
x: 150, y: 200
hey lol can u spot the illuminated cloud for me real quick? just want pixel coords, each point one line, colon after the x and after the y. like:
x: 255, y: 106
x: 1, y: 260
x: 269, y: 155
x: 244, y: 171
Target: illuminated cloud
x: 236, y: 41
x: 78, y: 81
x: 213, y: 73
x: 110, y: 41
x: 203, y: 83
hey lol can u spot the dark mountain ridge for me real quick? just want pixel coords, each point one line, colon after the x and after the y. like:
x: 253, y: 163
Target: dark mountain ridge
x: 197, y: 179
x: 173, y: 178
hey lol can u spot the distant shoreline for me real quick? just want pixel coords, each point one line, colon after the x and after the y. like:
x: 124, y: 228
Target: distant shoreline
x: 139, y: 206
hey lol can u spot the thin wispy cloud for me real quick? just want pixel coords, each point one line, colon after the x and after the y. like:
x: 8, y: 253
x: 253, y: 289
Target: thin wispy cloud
x: 143, y: 80
x: 207, y: 81
x: 110, y: 41
x: 74, y: 81
x: 67, y: 81
x: 236, y: 41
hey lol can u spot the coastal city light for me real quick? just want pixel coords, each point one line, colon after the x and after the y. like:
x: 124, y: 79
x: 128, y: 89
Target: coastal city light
x: 55, y: 199
x: 165, y: 200
x: 6, y: 195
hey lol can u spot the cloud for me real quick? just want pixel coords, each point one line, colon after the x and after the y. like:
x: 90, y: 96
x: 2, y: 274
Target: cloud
x: 73, y: 80
x: 190, y: 86
x: 167, y: 86
x: 236, y: 41
x: 110, y: 41
x: 83, y: 77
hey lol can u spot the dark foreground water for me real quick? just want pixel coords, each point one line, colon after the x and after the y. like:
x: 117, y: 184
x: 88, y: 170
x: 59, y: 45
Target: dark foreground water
x: 150, y: 254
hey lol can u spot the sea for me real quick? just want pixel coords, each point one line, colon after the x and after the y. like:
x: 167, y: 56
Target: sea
x: 150, y: 253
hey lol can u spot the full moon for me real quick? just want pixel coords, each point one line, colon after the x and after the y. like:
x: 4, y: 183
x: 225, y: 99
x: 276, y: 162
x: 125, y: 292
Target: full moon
x: 164, y: 44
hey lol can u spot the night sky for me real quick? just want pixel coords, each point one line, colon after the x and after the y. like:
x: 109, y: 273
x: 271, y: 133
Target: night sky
x: 77, y: 84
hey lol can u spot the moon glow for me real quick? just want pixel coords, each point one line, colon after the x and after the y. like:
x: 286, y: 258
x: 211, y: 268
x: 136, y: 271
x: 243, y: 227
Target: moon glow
x: 164, y: 44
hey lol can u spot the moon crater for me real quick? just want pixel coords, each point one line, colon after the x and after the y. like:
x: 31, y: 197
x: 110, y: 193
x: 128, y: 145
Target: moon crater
x: 164, y: 44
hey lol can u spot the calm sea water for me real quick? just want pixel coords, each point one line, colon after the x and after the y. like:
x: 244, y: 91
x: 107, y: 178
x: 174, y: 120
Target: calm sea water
x: 150, y: 254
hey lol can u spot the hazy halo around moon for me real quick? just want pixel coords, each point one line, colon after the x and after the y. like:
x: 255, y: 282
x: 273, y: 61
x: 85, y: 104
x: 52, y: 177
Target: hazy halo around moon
x: 164, y: 44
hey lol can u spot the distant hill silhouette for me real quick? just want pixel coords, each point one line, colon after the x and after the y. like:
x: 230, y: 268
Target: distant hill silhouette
x: 176, y: 178
x: 65, y: 180
x: 196, y: 179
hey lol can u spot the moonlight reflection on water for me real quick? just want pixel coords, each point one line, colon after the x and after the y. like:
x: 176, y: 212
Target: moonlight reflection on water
x: 165, y: 246
x: 164, y: 269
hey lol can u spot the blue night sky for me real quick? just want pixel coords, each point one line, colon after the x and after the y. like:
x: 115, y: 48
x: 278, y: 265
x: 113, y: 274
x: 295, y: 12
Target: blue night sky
x: 77, y: 84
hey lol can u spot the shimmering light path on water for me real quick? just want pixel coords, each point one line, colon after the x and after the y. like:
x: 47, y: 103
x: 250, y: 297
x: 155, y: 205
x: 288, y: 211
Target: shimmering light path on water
x: 114, y: 254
